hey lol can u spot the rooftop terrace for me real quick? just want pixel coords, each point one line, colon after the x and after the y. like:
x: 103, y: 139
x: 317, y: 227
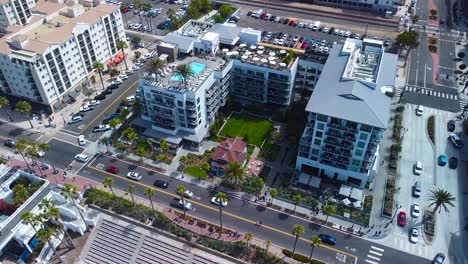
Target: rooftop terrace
x: 262, y: 55
x: 364, y: 60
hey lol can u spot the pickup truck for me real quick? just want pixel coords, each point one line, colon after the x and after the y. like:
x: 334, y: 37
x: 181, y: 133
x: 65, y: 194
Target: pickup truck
x: 456, y: 141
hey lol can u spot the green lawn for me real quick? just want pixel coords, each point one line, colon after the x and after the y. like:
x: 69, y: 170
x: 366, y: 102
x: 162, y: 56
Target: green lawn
x: 196, y: 172
x: 247, y: 127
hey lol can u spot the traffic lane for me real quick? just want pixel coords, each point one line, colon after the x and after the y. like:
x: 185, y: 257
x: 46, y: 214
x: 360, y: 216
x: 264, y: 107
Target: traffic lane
x: 61, y: 153
x: 11, y: 131
x: 110, y: 100
x: 211, y: 214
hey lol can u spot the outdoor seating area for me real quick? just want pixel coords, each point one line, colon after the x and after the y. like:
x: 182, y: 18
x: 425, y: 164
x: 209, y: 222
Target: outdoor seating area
x: 350, y: 196
x: 254, y: 167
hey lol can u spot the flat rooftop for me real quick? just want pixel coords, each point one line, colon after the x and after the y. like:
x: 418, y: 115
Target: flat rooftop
x: 194, y: 28
x: 364, y: 60
x: 43, y: 32
x: 261, y: 55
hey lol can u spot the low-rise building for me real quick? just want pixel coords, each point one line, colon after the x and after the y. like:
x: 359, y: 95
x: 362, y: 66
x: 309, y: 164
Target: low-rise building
x: 348, y: 113
x: 228, y: 151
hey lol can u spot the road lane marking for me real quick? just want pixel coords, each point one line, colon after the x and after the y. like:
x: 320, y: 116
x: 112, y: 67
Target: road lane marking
x: 110, y: 105
x: 375, y: 253
x: 64, y: 141
x: 217, y: 210
x: 373, y: 257
x: 376, y: 248
x: 372, y: 262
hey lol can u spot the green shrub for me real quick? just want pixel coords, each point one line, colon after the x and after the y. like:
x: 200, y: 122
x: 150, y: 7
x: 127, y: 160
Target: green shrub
x: 287, y: 252
x: 316, y: 261
x: 234, y: 249
x: 180, y: 232
x: 161, y: 221
x: 400, y: 108
x: 262, y: 257
x: 300, y: 258
x: 430, y: 128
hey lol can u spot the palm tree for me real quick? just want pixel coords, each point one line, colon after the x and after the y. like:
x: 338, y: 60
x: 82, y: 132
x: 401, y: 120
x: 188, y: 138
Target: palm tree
x: 329, y: 210
x: 155, y: 65
x: 69, y: 192
x: 298, y: 230
x: 258, y: 184
x: 32, y: 152
x: 248, y: 237
x: 267, y: 245
x: 137, y: 4
x: 129, y: 134
x: 146, y: 7
x: 441, y: 198
x: 24, y: 108
x: 234, y: 174
x: 221, y: 198
x: 122, y: 45
x: 150, y: 192
x: 180, y: 190
x: 296, y: 199
x: 130, y: 189
x: 114, y: 122
x: 163, y: 145
x: 52, y: 213
x: 4, y: 103
x: 29, y: 218
x: 108, y: 182
x: 273, y: 194
x: 20, y: 146
x: 315, y: 241
x: 184, y: 72
x: 99, y: 67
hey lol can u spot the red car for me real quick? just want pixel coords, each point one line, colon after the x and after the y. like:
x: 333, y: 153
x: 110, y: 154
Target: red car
x: 263, y: 16
x: 291, y: 22
x: 304, y: 45
x: 113, y: 169
x: 401, y: 218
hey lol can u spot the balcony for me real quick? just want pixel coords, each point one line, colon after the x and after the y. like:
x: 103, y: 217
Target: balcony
x: 190, y: 105
x: 306, y: 140
x: 304, y: 148
x: 310, y: 131
x: 331, y: 140
x: 334, y: 133
x: 327, y: 156
x: 347, y: 145
x: 344, y: 152
x: 304, y: 154
x: 335, y: 125
x: 329, y: 148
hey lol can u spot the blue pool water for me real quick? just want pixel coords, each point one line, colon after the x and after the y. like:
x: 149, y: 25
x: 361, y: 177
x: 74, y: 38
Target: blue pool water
x: 196, y: 69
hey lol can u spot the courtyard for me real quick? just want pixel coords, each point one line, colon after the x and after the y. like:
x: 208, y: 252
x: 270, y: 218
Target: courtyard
x: 252, y: 129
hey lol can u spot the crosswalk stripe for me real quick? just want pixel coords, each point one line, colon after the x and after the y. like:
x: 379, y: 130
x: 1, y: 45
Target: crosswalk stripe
x: 377, y: 248
x: 372, y: 262
x: 373, y: 257
x: 375, y: 253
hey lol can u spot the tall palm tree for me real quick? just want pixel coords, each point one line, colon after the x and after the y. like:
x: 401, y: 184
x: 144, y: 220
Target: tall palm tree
x: 33, y: 154
x: 258, y: 184
x: 296, y: 199
x: 150, y: 192
x: 248, y: 237
x: 298, y: 230
x: 234, y: 174
x: 130, y: 189
x: 108, y: 182
x: 146, y: 7
x: 273, y: 193
x: 155, y: 65
x: 99, y: 67
x: 221, y: 198
x: 328, y: 210
x: 129, y: 134
x: 137, y: 4
x: 184, y: 72
x: 29, y: 218
x: 122, y: 45
x: 51, y: 212
x: 180, y: 190
x: 24, y: 108
x: 315, y: 241
x: 441, y: 199
x: 267, y: 245
x: 69, y: 192
x: 21, y: 145
x: 3, y: 104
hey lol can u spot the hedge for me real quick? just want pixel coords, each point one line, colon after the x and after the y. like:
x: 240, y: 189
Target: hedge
x: 300, y: 257
x: 430, y: 128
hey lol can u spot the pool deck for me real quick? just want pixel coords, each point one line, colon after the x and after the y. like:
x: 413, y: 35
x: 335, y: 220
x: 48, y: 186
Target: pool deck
x: 196, y: 71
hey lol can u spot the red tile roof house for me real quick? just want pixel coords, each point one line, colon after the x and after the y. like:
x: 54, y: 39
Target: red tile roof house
x: 228, y: 151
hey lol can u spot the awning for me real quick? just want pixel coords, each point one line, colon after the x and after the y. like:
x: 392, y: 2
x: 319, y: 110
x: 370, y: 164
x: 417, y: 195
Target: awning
x: 357, y: 204
x: 110, y: 64
x: 118, y: 58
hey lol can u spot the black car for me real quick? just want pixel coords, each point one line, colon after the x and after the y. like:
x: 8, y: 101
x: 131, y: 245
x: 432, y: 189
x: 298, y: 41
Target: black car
x: 161, y: 184
x: 100, y: 97
x: 327, y: 239
x: 438, y: 259
x: 272, y: 18
x: 286, y: 21
x: 107, y: 91
x: 10, y: 143
x: 301, y: 39
x: 113, y: 86
x: 281, y: 20
x: 453, y: 163
x: 249, y: 13
x: 331, y: 30
x: 451, y: 125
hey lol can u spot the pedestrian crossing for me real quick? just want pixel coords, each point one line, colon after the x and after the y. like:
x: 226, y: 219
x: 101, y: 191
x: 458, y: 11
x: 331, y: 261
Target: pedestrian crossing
x: 374, y: 255
x: 430, y: 92
x: 418, y: 249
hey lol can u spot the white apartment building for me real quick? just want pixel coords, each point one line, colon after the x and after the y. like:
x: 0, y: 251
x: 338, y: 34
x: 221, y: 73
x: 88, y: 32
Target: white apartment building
x: 45, y: 60
x: 15, y: 12
x: 348, y: 113
x: 380, y: 6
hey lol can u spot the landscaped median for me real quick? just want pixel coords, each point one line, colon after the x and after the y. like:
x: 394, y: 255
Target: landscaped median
x: 171, y: 221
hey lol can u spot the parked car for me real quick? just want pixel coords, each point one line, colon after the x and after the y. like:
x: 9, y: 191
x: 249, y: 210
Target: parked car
x: 107, y: 91
x: 453, y: 163
x: 188, y: 194
x: 101, y: 128
x: 401, y: 220
x: 438, y: 259
x: 123, y: 77
x: 456, y: 141
x: 161, y: 184
x: 134, y: 175
x: 286, y: 21
x: 327, y: 239
x: 117, y: 81
x: 81, y: 140
x: 184, y: 205
x: 10, y: 143
x: 451, y: 125
x: 75, y: 119
x: 94, y: 102
x: 113, y: 169
x: 416, y: 189
x: 215, y: 201
x: 100, y: 96
x: 418, y: 168
x: 86, y: 108
x: 81, y: 158
x: 415, y: 210
x: 442, y: 160
x: 291, y: 22
x: 414, y: 234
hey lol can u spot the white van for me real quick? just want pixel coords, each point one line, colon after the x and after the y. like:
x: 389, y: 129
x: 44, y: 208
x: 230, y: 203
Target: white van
x: 420, y: 110
x: 81, y: 140
x: 316, y: 26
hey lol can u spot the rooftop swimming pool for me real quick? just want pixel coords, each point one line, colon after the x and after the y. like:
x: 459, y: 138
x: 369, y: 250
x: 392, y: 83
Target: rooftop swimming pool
x: 196, y: 67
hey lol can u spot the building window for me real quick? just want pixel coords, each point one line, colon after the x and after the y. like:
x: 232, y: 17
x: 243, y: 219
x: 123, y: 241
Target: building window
x: 322, y: 118
x: 318, y: 134
x: 358, y: 152
x: 320, y: 126
x: 181, y: 111
x: 315, y: 151
x: 353, y: 168
x: 317, y: 142
x: 361, y: 144
x: 363, y: 136
x: 180, y: 103
x: 198, y: 100
x: 356, y: 162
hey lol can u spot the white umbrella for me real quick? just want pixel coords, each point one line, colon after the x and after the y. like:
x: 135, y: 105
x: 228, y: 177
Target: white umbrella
x: 260, y: 52
x: 282, y: 64
x: 253, y: 47
x: 225, y: 50
x: 261, y: 47
x: 272, y: 53
x: 248, y: 53
x: 256, y: 59
x: 273, y: 62
x: 264, y: 60
x: 346, y: 201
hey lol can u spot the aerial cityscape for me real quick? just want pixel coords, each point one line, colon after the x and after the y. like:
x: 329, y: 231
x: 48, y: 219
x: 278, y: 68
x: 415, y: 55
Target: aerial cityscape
x: 234, y: 131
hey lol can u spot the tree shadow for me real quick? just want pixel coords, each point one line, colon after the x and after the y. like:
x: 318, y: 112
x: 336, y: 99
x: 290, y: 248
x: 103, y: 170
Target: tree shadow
x: 132, y: 167
x: 112, y: 160
x: 150, y: 172
x: 283, y: 216
x: 260, y: 208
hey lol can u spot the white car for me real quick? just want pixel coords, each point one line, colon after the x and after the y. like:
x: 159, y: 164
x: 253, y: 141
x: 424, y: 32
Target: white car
x: 86, y: 108
x: 130, y: 99
x: 81, y: 158
x: 75, y: 119
x: 123, y: 77
x: 81, y: 140
x: 418, y: 168
x: 101, y: 128
x: 325, y: 30
x: 129, y: 72
x: 94, y: 102
x: 357, y: 36
x: 414, y: 234
x: 415, y: 210
x: 182, y: 205
x: 188, y: 194
x: 347, y: 34
x: 117, y: 81
x: 134, y: 175
x: 147, y: 56
x: 135, y: 68
x: 218, y: 203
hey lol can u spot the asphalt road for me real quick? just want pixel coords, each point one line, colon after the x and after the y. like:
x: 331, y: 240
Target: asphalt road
x: 241, y: 215
x: 61, y: 153
x: 11, y: 131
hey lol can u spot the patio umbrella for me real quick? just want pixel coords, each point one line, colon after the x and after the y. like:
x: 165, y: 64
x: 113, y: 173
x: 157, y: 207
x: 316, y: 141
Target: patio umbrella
x: 346, y: 201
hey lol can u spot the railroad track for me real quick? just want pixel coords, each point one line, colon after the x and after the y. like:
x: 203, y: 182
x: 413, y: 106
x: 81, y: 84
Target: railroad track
x: 377, y: 21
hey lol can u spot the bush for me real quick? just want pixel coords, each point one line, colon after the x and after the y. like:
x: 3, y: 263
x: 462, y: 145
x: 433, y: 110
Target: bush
x: 300, y: 258
x: 162, y: 222
x: 400, y: 108
x: 287, y: 252
x: 430, y: 128
x: 236, y: 249
x: 180, y: 232
x: 432, y: 48
x: 316, y: 261
x: 262, y: 257
x: 462, y: 66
